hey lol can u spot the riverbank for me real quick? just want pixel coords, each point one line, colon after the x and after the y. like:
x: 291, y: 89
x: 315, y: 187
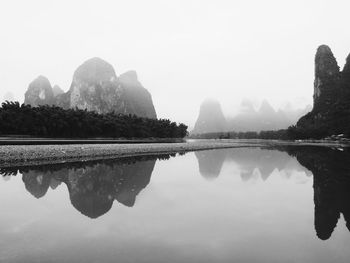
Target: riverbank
x: 20, y: 155
x: 63, y: 141
x: 17, y: 155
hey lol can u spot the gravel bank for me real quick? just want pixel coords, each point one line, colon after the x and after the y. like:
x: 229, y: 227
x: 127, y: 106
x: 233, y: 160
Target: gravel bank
x: 18, y: 155
x: 21, y: 155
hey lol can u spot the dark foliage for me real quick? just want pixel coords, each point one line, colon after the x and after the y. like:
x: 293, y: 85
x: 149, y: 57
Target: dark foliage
x: 272, y: 135
x: 53, y: 121
x: 303, y: 133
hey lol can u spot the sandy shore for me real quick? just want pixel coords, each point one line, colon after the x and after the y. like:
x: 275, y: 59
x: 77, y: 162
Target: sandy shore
x: 19, y: 155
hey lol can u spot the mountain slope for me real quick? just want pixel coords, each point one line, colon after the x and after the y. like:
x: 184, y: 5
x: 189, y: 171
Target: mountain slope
x: 96, y: 87
x: 211, y: 118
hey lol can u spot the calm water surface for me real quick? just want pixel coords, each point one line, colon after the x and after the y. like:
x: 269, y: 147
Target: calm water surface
x: 290, y: 204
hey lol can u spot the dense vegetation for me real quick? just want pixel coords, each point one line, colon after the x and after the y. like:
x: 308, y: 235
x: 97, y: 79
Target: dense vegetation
x: 292, y: 133
x: 302, y: 133
x: 53, y: 121
x: 272, y: 135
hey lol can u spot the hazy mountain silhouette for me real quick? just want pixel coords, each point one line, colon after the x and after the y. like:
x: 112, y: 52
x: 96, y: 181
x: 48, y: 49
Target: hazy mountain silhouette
x: 246, y: 118
x: 57, y: 90
x: 265, y: 118
x: 39, y: 92
x: 137, y: 100
x: 211, y: 118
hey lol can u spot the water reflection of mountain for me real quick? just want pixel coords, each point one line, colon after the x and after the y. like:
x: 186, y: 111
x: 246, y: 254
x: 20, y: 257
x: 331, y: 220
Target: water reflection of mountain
x: 330, y: 168
x: 210, y: 163
x: 92, y: 186
x: 331, y: 173
x: 248, y: 159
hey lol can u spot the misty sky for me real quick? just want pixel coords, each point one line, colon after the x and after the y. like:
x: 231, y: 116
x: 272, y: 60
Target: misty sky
x: 184, y: 51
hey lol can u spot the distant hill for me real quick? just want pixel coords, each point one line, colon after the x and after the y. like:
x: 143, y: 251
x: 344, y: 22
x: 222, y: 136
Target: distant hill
x: 211, y: 118
x: 39, y: 92
x: 57, y: 90
x: 264, y: 119
x: 95, y: 87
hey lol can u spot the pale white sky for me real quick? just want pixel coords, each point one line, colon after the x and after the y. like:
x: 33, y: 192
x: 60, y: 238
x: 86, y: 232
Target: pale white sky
x: 184, y: 51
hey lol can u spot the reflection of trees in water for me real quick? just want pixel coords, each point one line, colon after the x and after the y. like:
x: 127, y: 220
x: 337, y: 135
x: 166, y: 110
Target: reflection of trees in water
x: 92, y: 186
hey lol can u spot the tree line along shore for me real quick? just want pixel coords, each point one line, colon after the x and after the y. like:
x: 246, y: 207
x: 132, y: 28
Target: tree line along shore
x: 55, y: 122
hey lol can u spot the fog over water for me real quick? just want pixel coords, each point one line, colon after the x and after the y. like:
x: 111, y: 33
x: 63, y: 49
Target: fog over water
x: 183, y: 51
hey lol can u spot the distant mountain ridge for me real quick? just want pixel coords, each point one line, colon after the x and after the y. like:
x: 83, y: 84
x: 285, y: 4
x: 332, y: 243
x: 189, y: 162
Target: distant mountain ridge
x: 211, y: 118
x: 95, y: 87
x: 265, y: 118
